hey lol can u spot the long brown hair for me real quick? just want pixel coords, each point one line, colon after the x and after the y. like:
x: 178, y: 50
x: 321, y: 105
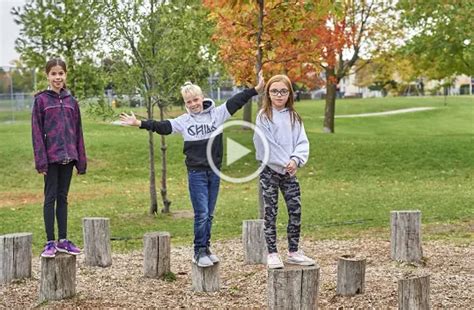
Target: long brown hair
x: 290, y: 103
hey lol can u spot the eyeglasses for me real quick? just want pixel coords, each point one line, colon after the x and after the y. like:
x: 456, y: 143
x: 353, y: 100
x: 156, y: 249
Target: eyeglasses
x: 282, y: 92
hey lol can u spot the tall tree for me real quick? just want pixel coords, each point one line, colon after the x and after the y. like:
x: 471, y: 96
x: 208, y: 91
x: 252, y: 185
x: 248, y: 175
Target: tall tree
x: 51, y: 28
x: 272, y: 34
x: 166, y: 43
x: 443, y: 36
x: 352, y: 29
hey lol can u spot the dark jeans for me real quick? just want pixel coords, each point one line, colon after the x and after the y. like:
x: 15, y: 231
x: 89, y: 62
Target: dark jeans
x: 203, y: 189
x: 56, y: 188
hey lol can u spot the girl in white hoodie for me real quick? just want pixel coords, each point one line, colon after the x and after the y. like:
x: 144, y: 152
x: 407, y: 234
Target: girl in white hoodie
x: 289, y: 150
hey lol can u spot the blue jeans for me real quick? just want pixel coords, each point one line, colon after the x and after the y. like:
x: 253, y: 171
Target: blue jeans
x: 203, y: 189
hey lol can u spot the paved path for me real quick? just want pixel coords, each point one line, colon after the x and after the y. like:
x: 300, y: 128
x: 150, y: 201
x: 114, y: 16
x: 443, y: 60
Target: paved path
x: 386, y: 112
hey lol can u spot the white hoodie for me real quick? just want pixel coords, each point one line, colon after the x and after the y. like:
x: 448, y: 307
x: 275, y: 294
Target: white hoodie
x: 286, y: 140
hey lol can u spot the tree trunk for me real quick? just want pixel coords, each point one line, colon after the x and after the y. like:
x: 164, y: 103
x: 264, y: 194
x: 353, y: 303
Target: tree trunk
x: 205, y: 279
x: 97, y: 249
x: 58, y: 277
x: 248, y: 111
x: 405, y: 238
x: 164, y: 191
x: 151, y: 154
x: 71, y: 66
x: 350, y: 275
x: 293, y: 288
x: 259, y: 63
x: 258, y: 67
x: 253, y: 239
x: 15, y: 256
x: 414, y: 293
x: 330, y: 109
x: 156, y: 254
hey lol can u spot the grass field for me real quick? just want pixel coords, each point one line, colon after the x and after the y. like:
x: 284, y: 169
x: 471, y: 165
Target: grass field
x: 354, y: 178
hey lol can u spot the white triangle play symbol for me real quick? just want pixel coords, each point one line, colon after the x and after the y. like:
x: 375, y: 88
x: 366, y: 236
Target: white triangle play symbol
x: 235, y: 151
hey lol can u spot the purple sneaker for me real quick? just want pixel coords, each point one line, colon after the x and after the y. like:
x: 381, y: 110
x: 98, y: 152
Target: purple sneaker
x: 66, y: 246
x: 49, y: 249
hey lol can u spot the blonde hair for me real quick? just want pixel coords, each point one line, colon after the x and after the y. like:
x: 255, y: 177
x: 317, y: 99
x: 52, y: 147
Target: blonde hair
x: 290, y: 103
x: 190, y: 89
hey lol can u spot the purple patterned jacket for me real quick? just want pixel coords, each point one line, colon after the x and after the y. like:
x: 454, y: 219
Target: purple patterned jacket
x: 57, y: 130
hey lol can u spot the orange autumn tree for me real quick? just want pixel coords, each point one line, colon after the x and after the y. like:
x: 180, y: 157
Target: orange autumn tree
x: 302, y: 38
x: 274, y: 35
x: 349, y: 30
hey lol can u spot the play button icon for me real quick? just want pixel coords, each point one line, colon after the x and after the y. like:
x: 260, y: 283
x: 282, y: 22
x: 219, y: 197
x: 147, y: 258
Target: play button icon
x: 235, y: 151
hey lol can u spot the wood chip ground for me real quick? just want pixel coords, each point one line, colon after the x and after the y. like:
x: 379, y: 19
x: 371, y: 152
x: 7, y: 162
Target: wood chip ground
x: 122, y: 285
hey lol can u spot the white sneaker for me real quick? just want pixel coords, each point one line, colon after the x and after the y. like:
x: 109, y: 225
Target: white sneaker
x: 298, y: 258
x: 214, y: 259
x: 202, y: 260
x: 274, y: 261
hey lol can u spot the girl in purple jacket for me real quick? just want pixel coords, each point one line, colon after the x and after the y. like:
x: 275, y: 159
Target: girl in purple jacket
x: 58, y: 146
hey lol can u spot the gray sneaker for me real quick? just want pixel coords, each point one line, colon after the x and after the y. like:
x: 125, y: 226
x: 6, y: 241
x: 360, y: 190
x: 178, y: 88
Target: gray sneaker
x: 202, y: 260
x: 214, y: 259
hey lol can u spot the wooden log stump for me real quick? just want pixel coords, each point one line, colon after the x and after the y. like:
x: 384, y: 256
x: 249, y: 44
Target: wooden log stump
x: 253, y: 239
x: 414, y: 293
x: 350, y: 275
x: 405, y: 238
x: 97, y: 249
x: 294, y: 287
x: 205, y: 279
x: 156, y: 253
x: 15, y: 256
x: 58, y: 277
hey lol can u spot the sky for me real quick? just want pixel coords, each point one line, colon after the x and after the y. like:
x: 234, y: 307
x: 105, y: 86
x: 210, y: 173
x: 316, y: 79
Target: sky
x: 8, y: 31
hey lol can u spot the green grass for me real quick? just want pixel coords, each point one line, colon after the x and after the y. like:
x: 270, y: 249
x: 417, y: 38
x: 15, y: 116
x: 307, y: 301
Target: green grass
x: 354, y: 178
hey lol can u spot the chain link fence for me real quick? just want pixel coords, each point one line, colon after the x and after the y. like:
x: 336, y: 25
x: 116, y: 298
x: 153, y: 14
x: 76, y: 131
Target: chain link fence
x: 15, y: 106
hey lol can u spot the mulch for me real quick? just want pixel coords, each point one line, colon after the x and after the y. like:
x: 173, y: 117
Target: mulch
x: 122, y: 285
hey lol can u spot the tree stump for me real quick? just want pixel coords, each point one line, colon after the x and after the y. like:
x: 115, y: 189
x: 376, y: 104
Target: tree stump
x: 293, y: 287
x: 15, y: 256
x: 253, y: 239
x: 350, y: 275
x: 414, y: 293
x: 406, y: 236
x: 205, y: 279
x: 97, y: 249
x: 156, y: 253
x: 58, y: 277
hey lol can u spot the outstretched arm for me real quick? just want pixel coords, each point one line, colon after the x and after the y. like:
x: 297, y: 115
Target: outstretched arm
x: 130, y: 120
x: 160, y: 127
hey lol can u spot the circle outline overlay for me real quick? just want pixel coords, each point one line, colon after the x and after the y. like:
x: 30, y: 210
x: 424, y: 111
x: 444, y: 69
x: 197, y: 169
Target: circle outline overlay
x: 219, y: 130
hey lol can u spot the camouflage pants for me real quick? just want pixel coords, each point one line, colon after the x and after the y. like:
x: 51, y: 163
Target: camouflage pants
x: 271, y: 182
